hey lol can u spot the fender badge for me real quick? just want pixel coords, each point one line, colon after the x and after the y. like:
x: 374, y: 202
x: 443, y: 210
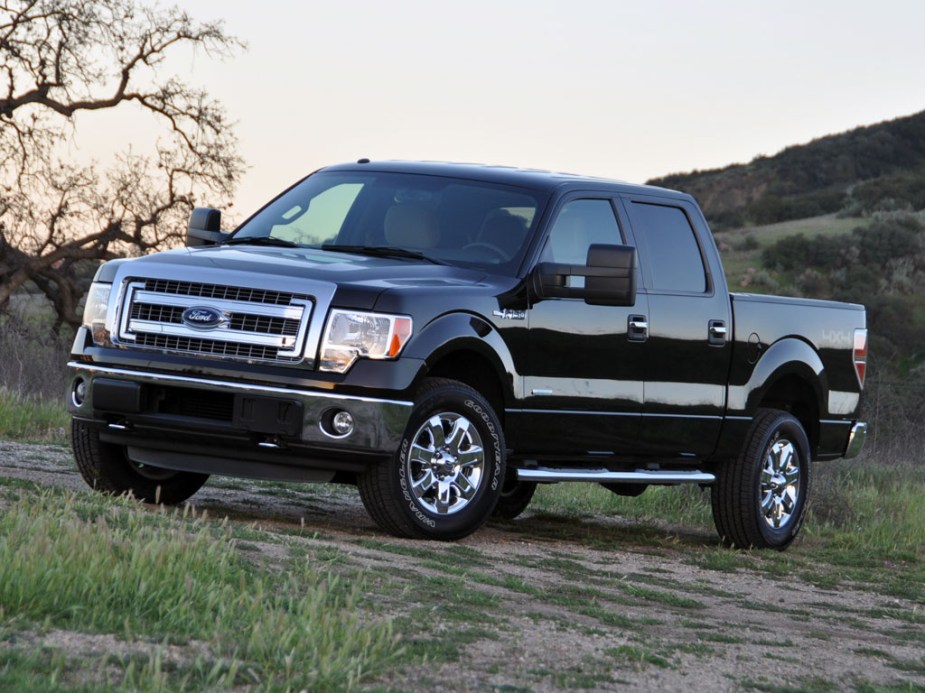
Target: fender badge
x: 508, y: 314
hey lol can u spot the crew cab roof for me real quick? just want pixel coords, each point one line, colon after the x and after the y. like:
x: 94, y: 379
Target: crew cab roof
x: 505, y: 175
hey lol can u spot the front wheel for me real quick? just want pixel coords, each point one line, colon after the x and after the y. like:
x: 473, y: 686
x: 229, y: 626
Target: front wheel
x: 108, y: 469
x: 759, y: 501
x: 444, y: 480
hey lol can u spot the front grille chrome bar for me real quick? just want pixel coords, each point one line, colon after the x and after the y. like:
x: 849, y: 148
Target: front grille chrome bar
x: 253, y: 324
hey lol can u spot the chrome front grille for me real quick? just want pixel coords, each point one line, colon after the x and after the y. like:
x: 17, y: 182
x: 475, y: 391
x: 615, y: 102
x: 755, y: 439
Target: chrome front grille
x: 228, y: 293
x: 207, y: 347
x: 252, y: 324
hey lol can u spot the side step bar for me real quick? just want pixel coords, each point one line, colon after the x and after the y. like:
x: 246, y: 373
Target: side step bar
x: 639, y: 476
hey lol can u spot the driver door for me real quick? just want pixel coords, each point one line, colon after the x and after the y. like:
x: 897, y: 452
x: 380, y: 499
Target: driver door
x: 583, y: 387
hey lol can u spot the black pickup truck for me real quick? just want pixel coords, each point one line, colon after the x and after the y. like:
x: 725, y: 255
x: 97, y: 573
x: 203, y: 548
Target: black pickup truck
x: 446, y: 337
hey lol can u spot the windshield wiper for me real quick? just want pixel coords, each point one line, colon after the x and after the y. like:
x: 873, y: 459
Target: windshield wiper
x: 262, y: 240
x: 381, y: 251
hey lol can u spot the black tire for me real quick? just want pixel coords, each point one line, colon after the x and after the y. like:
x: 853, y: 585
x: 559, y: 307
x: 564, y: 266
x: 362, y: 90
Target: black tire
x: 515, y: 496
x: 759, y: 501
x: 107, y: 468
x: 424, y: 490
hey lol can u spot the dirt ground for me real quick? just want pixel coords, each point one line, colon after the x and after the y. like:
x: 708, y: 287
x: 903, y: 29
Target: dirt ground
x: 545, y: 603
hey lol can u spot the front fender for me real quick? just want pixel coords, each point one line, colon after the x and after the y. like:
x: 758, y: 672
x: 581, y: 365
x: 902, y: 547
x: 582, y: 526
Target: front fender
x: 459, y: 332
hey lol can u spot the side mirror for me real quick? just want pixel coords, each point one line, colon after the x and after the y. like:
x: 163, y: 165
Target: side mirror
x: 610, y: 277
x: 205, y: 227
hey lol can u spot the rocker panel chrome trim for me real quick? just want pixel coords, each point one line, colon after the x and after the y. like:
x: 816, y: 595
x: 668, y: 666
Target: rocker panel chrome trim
x: 638, y: 476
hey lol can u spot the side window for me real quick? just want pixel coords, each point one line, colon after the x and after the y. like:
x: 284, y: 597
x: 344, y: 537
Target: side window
x: 668, y: 247
x: 580, y: 224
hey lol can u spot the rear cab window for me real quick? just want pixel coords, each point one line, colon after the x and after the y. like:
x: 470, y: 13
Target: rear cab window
x: 671, y: 255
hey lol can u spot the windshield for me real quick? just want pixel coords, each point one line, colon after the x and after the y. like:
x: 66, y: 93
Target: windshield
x: 447, y: 220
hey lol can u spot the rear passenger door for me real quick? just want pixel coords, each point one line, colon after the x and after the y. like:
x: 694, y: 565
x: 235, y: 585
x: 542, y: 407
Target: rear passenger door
x: 689, y: 327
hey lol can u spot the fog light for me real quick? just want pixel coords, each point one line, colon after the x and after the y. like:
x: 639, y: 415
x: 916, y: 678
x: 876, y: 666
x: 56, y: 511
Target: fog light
x: 79, y: 393
x: 342, y: 423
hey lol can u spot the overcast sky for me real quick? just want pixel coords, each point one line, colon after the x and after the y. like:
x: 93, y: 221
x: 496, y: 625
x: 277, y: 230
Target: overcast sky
x: 623, y: 89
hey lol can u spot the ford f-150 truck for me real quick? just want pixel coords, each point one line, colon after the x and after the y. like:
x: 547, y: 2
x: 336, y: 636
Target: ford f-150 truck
x: 448, y: 336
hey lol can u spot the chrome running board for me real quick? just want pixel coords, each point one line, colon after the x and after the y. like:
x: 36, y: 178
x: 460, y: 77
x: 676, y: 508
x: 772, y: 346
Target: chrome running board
x: 638, y: 476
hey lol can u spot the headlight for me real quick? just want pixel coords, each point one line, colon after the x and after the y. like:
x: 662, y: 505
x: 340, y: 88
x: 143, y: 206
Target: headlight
x: 95, y: 313
x: 352, y: 335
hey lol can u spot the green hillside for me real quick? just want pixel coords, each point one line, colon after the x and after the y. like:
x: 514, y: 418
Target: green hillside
x: 856, y: 173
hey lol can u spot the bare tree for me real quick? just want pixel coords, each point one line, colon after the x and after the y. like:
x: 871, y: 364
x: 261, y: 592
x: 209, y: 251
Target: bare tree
x: 61, y: 58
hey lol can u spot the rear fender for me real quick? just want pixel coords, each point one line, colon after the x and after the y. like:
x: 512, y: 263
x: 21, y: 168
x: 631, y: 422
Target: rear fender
x: 785, y: 358
x: 788, y: 356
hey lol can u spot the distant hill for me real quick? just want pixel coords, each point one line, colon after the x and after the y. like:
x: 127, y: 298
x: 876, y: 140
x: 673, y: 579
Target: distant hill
x: 878, y: 167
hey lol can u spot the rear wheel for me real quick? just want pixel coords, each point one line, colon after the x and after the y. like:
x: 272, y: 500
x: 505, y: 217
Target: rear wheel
x: 444, y: 480
x: 108, y: 469
x: 760, y: 500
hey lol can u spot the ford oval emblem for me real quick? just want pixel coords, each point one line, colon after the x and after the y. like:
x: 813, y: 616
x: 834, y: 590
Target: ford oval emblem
x: 202, y: 317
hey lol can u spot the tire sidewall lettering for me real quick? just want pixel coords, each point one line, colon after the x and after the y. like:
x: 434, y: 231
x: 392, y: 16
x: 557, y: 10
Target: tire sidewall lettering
x: 416, y: 512
x: 477, y: 415
x: 495, y: 442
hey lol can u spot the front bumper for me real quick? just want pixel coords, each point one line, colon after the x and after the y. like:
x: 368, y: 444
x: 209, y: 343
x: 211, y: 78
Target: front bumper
x: 262, y: 430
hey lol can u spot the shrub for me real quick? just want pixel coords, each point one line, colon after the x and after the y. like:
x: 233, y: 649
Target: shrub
x: 34, y: 353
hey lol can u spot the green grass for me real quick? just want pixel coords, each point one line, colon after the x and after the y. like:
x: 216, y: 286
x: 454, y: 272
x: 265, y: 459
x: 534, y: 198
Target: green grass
x: 742, y: 248
x: 803, y: 685
x: 637, y: 656
x: 862, y: 513
x: 590, y: 673
x: 39, y: 671
x: 871, y: 510
x: 686, y: 505
x: 810, y: 227
x: 724, y: 638
x: 862, y: 686
x: 663, y: 597
x: 32, y: 419
x: 166, y: 581
x: 90, y: 564
x: 722, y: 559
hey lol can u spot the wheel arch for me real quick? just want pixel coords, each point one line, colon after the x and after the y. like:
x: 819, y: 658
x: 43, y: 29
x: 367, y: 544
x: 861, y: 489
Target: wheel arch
x: 792, y: 393
x: 789, y: 376
x: 469, y: 349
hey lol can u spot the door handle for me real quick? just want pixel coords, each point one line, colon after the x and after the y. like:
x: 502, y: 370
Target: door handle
x: 637, y: 328
x: 717, y: 332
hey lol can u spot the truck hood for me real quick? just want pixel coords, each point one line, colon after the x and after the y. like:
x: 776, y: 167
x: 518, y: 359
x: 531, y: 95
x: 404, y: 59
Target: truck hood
x: 302, y: 269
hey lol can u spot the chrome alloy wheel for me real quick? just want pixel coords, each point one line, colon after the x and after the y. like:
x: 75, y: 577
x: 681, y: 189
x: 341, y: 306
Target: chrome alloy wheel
x: 446, y: 464
x: 780, y: 483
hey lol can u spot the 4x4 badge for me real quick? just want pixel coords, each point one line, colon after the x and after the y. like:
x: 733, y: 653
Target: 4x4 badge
x: 508, y: 314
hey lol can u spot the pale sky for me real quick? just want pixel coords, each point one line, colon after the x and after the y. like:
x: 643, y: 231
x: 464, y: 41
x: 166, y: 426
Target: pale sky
x: 621, y: 89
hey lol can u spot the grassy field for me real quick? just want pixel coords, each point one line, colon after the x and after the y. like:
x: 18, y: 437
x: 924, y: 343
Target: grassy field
x: 741, y: 248
x: 32, y: 418
x: 156, y: 581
